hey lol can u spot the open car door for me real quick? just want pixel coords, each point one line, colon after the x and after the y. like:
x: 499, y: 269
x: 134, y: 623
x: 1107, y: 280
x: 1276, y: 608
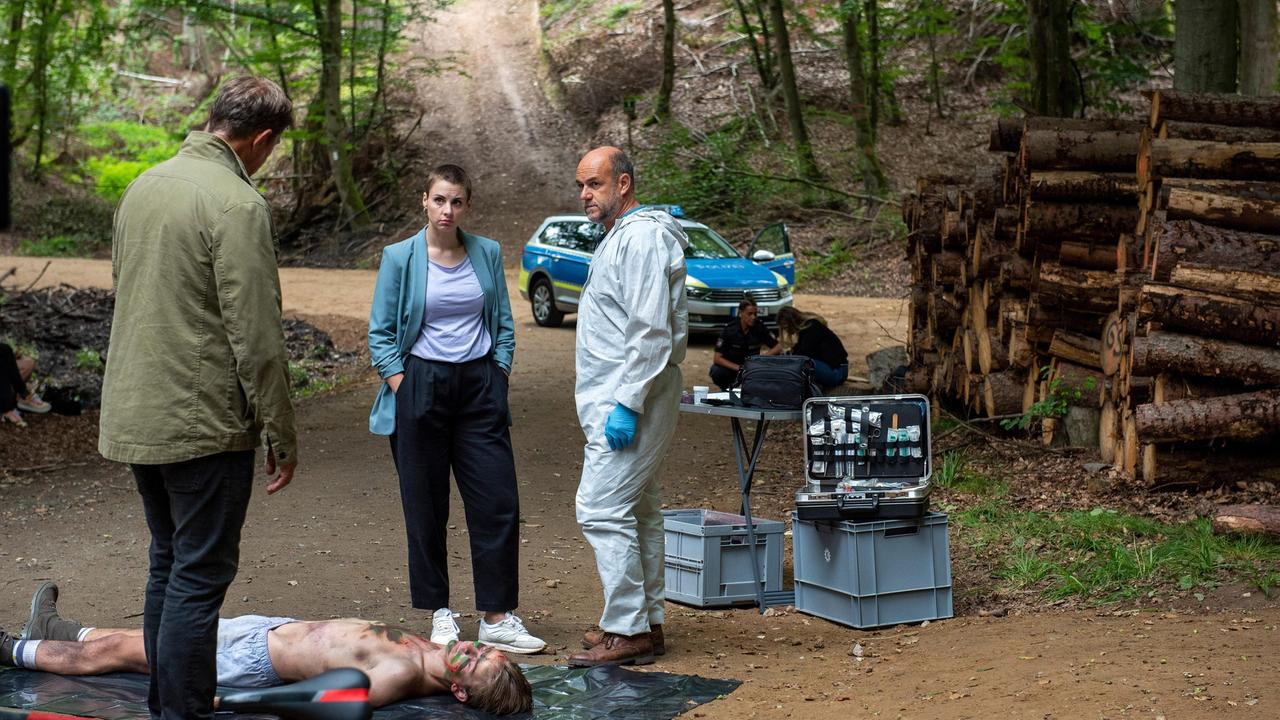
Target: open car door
x: 771, y: 247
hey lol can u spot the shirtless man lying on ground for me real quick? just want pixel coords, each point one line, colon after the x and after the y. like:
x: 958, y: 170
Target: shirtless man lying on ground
x: 256, y: 651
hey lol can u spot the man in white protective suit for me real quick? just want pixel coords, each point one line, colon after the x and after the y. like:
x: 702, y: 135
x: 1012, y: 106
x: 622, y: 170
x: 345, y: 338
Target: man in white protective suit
x: 633, y: 326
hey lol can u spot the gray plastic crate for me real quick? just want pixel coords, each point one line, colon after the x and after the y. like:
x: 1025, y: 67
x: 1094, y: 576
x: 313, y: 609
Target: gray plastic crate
x: 871, y: 574
x: 708, y: 562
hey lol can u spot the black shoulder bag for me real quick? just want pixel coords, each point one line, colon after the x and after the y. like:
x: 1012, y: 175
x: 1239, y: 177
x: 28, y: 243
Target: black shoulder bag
x: 777, y: 382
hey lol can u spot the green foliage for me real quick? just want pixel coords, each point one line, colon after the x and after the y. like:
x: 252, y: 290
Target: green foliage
x: 112, y: 176
x: 89, y: 359
x: 142, y: 142
x: 1062, y: 395
x: 56, y: 246
x: 1106, y: 555
x: 618, y: 13
x: 553, y: 10
x: 298, y: 376
x: 709, y: 177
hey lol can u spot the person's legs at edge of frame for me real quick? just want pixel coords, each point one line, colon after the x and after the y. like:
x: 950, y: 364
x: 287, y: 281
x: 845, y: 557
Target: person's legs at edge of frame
x: 829, y: 377
x: 484, y: 467
x: 195, y: 510
x: 617, y: 496
x: 421, y: 447
x: 723, y: 377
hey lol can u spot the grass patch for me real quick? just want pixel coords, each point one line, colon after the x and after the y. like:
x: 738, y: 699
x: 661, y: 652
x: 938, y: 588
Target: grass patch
x: 1103, y: 555
x: 552, y: 10
x: 56, y: 246
x: 1099, y: 555
x: 825, y: 266
x: 618, y: 13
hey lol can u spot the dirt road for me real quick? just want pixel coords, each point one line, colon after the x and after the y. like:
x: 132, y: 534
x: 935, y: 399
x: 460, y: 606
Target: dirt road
x: 333, y: 545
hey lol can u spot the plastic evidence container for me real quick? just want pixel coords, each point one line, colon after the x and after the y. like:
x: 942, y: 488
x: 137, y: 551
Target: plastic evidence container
x: 871, y: 574
x: 708, y: 561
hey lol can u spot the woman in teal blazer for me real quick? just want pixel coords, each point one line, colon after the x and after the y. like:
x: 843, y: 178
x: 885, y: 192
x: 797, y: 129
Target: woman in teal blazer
x: 442, y: 339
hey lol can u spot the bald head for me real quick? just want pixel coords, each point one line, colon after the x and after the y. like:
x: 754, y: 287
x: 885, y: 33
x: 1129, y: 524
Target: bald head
x: 606, y: 185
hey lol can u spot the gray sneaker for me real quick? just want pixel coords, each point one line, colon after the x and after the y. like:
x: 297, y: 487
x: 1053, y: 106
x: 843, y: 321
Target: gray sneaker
x: 510, y: 635
x: 44, y: 622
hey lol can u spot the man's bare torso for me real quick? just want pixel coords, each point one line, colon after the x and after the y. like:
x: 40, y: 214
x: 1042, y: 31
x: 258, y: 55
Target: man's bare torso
x: 393, y: 658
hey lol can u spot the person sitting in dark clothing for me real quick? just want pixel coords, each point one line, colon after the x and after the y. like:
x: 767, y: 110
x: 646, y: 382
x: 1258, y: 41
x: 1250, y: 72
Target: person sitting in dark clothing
x: 743, y: 336
x: 807, y: 334
x: 15, y: 398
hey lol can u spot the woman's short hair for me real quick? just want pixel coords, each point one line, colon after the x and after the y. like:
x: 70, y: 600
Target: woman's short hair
x: 452, y: 174
x: 745, y: 303
x: 507, y: 693
x: 791, y: 321
x: 247, y: 105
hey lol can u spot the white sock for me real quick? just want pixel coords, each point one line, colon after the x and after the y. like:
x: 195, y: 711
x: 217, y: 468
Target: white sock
x: 24, y: 654
x: 84, y: 632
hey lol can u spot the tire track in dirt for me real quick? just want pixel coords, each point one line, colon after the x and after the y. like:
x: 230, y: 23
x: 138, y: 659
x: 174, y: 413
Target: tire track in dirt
x: 489, y: 111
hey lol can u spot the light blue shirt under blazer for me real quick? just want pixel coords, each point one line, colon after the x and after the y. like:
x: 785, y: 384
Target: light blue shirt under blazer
x: 399, y: 300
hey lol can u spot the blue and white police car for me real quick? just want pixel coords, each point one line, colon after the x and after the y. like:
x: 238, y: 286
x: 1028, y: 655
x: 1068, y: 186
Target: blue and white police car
x: 554, y: 268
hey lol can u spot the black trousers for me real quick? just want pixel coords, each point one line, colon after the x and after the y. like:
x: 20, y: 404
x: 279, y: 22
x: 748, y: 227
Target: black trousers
x: 723, y: 376
x: 11, y: 385
x: 454, y: 416
x: 195, y: 510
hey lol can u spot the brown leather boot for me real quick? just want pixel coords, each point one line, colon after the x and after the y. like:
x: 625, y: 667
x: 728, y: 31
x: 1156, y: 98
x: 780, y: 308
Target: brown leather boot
x: 616, y: 650
x: 592, y: 638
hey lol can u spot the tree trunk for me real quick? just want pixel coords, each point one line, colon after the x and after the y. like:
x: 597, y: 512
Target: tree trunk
x: 1169, y: 387
x: 791, y: 93
x: 1204, y: 46
x: 1080, y: 349
x: 873, y: 179
x: 1002, y: 393
x: 1222, y: 210
x: 1054, y: 149
x: 1055, y: 89
x: 1087, y: 255
x: 1162, y: 351
x: 1083, y: 186
x: 1188, y: 241
x: 1259, y: 47
x: 1221, y: 316
x: 1262, y: 287
x: 763, y: 68
x: 663, y: 106
x: 1247, y: 189
x: 870, y: 7
x: 1187, y: 130
x: 1245, y: 416
x: 1047, y: 221
x: 946, y: 268
x: 328, y: 14
x: 1049, y: 313
x: 1204, y: 159
x: 1112, y: 347
x: 767, y: 41
x: 1217, y: 108
x: 1247, y: 519
x: 993, y: 356
x: 1076, y: 289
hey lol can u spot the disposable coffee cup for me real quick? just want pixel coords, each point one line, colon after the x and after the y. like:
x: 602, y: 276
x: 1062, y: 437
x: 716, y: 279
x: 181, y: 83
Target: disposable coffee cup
x: 700, y: 393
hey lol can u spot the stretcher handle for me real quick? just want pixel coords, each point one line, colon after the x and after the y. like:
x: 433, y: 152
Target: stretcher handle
x: 341, y: 694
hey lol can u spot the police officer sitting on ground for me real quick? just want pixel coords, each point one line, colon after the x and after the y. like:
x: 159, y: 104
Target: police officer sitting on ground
x: 742, y: 336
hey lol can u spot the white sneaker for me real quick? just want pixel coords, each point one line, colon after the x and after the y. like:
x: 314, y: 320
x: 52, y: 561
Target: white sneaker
x: 509, y: 635
x: 443, y: 627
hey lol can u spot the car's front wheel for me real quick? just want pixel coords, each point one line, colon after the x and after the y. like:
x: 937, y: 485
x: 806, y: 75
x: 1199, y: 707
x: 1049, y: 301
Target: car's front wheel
x: 543, y: 302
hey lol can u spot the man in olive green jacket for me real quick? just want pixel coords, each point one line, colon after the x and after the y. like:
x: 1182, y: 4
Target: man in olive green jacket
x: 196, y: 374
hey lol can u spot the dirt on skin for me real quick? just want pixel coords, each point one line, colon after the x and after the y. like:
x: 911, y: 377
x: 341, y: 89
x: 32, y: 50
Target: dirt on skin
x: 332, y: 545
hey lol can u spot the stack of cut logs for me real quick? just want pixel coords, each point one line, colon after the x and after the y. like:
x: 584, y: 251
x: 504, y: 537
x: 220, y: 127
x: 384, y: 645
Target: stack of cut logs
x: 1130, y: 270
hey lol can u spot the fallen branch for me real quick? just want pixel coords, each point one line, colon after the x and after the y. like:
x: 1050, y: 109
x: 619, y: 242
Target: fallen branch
x: 33, y: 282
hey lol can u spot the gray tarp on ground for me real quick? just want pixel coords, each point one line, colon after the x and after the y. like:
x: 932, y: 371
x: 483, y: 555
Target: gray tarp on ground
x: 559, y: 693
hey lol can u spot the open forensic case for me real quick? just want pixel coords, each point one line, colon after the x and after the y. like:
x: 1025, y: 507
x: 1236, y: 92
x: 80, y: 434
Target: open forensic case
x: 866, y: 457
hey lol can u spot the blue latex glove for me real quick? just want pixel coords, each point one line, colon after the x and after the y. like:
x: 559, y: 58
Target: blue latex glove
x: 620, y: 428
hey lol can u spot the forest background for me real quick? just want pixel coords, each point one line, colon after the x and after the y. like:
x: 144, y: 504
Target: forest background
x: 743, y: 111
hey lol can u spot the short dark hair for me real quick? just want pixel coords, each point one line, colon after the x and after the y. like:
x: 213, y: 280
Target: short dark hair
x: 247, y: 105
x: 622, y: 165
x: 746, y: 302
x: 453, y: 174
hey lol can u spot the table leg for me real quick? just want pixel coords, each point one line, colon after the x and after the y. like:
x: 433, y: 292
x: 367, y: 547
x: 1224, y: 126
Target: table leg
x: 746, y: 471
